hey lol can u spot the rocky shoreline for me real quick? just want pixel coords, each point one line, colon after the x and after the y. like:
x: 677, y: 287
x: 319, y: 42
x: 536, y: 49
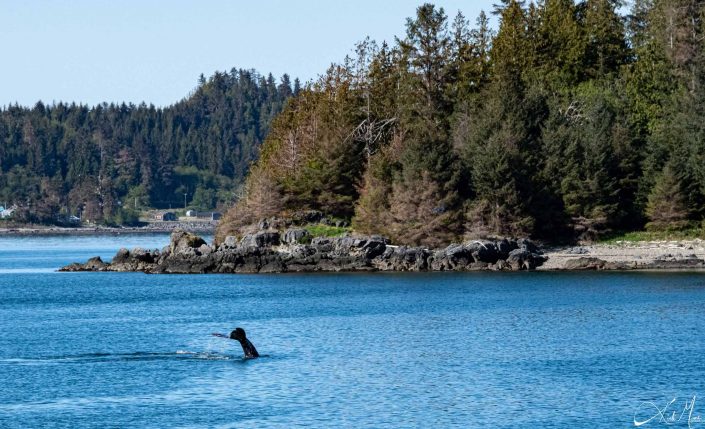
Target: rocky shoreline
x: 296, y: 251
x: 622, y: 256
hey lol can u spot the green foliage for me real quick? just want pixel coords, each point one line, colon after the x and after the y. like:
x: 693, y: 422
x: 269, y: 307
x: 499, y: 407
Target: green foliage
x: 559, y: 126
x: 587, y: 160
x: 559, y: 45
x: 137, y: 198
x: 510, y: 47
x: 203, y: 199
x: 126, y: 216
x: 68, y: 158
x: 691, y: 233
x: 497, y: 148
x: 666, y: 206
x: 606, y: 45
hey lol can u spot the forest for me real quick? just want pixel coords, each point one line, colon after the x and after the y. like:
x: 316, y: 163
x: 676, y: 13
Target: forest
x: 106, y: 163
x: 573, y: 119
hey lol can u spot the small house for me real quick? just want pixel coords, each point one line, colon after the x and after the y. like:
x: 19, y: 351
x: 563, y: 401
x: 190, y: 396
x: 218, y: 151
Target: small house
x: 6, y: 213
x: 165, y: 216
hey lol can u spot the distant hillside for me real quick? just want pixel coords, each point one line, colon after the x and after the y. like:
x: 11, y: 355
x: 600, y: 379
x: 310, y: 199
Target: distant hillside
x: 105, y: 161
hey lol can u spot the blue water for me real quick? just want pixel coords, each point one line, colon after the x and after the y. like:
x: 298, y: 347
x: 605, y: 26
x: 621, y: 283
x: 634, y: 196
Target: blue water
x: 539, y: 350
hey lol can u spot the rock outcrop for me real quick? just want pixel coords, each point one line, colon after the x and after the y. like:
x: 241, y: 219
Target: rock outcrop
x: 268, y: 251
x: 594, y: 264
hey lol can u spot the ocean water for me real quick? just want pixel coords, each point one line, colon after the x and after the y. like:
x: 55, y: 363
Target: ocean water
x: 477, y: 350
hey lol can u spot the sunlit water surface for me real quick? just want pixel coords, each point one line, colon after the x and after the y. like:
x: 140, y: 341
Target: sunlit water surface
x: 537, y: 350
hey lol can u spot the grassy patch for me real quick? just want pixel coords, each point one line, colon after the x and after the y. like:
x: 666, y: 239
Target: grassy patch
x: 635, y: 236
x: 326, y: 231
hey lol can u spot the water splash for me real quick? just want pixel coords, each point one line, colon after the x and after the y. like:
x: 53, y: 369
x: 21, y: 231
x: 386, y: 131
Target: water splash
x: 179, y: 355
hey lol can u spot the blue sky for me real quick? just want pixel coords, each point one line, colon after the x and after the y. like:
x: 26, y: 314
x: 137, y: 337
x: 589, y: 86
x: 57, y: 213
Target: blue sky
x: 90, y: 51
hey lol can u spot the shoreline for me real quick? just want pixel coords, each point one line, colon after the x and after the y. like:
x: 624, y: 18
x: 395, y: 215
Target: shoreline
x: 676, y: 255
x: 663, y: 256
x: 160, y: 228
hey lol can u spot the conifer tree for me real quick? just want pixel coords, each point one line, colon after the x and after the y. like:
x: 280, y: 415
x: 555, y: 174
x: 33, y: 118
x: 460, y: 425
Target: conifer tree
x: 426, y: 151
x: 499, y: 137
x: 606, y: 39
x: 560, y: 44
x: 667, y: 207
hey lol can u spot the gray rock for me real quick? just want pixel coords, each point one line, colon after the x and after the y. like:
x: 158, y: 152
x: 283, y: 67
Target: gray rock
x: 505, y: 246
x: 296, y: 236
x: 93, y: 264
x: 501, y: 265
x: 374, y: 246
x: 121, y: 256
x: 141, y: 255
x: 456, y: 257
x: 523, y: 259
x: 256, y: 253
x: 230, y: 242
x: 356, y: 246
x: 260, y: 239
x: 322, y: 244
x: 580, y: 264
x: 183, y: 241
x: 483, y: 251
x: 403, y: 258
x: 526, y: 244
x: 677, y: 263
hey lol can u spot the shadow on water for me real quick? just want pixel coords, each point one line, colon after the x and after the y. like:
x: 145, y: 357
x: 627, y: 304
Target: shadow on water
x: 179, y: 355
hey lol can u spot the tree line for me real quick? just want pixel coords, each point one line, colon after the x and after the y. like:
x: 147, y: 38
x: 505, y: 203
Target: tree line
x: 571, y: 120
x: 108, y: 162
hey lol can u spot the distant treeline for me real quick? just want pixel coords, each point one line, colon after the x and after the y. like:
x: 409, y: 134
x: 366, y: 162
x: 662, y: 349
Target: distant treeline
x: 572, y: 120
x: 105, y: 162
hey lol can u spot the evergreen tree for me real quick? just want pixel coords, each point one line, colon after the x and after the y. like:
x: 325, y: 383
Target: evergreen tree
x: 427, y: 154
x: 560, y: 45
x: 500, y: 138
x: 509, y: 48
x: 667, y: 208
x: 473, y: 59
x: 606, y: 39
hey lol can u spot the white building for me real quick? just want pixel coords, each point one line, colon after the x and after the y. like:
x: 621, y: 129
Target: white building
x: 6, y: 213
